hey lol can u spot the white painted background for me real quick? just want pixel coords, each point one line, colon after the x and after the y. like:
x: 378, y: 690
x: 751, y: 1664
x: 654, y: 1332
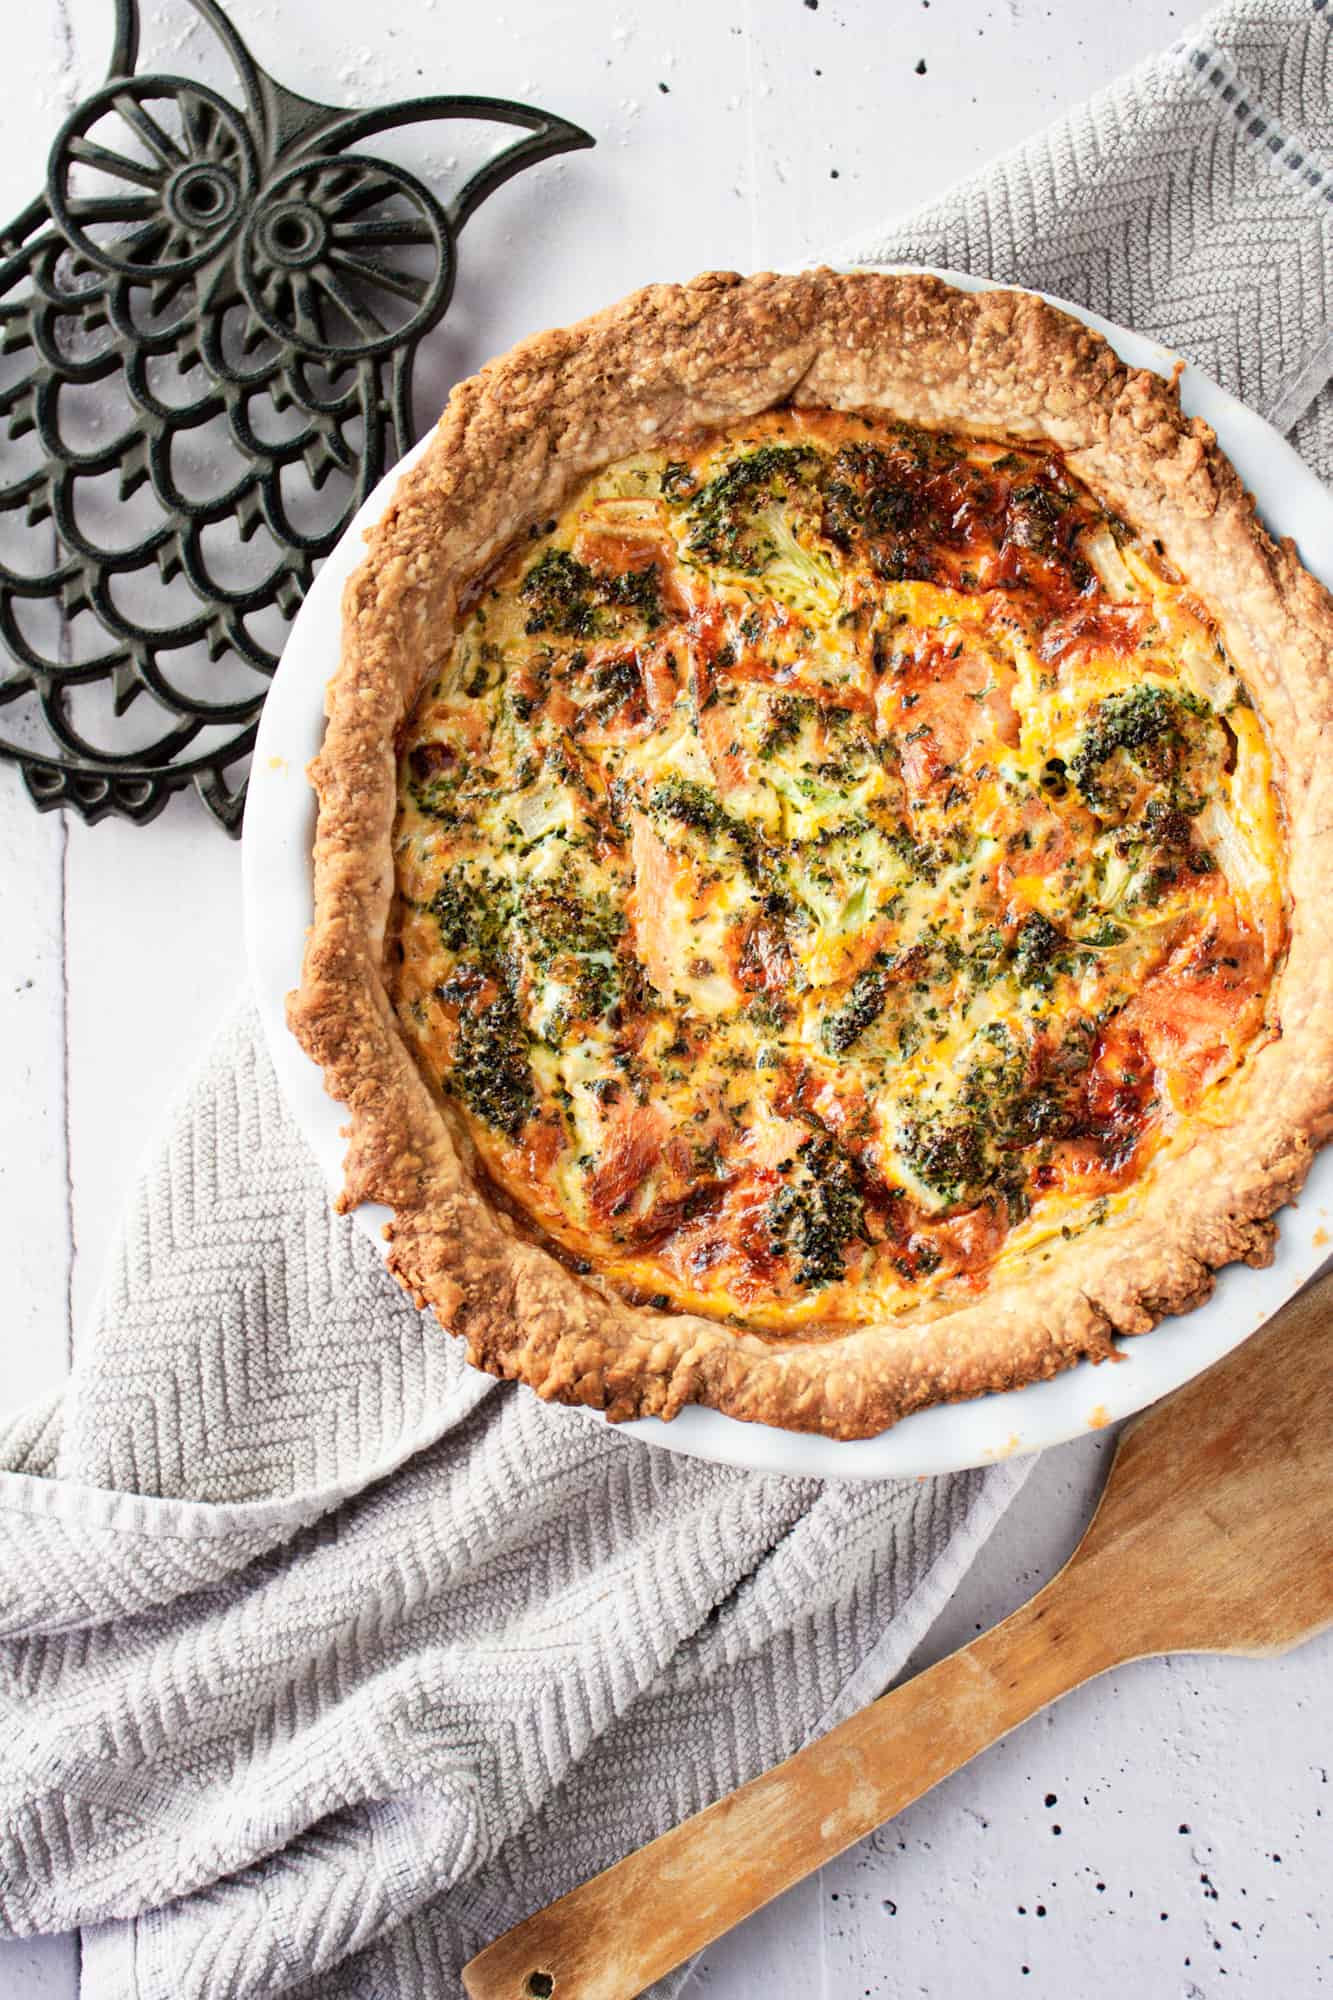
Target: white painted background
x: 1186, y: 1851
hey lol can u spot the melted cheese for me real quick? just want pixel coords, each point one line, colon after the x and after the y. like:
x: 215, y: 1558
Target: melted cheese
x: 835, y: 861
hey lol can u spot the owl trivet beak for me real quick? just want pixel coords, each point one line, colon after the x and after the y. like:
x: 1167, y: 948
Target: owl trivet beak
x: 252, y: 274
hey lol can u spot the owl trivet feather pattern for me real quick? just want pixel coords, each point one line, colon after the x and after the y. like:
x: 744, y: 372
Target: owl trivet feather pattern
x: 209, y: 317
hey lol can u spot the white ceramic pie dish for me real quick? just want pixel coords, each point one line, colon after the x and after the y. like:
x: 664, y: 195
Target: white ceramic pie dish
x: 279, y: 829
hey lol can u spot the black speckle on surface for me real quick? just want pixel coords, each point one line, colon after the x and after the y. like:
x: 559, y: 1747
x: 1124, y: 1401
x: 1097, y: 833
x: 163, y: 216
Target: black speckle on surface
x: 1022, y: 1909
x: 1041, y: 1909
x: 1057, y: 1829
x: 921, y: 67
x: 1050, y: 1798
x: 889, y: 1907
x: 1182, y: 1828
x: 665, y: 89
x: 1277, y: 1857
x: 1164, y: 1916
x: 833, y: 173
x: 1101, y: 1888
x: 1024, y: 1969
x: 813, y: 5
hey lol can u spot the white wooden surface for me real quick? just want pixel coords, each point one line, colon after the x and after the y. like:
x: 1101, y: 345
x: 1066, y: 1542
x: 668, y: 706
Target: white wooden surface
x: 1165, y: 1833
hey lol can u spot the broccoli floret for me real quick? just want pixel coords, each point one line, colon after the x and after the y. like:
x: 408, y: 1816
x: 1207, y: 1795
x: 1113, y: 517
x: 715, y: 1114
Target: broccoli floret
x: 636, y: 590
x: 474, y: 910
x: 564, y: 927
x: 686, y: 800
x: 951, y: 1156
x: 491, y: 1071
x: 596, y: 990
x: 866, y: 497
x: 983, y: 1148
x: 615, y: 683
x: 880, y: 503
x: 557, y: 917
x: 817, y: 1212
x: 922, y: 860
x: 569, y: 598
x: 961, y: 1156
x: 692, y: 804
x: 722, y: 525
x: 987, y: 957
x: 559, y: 589
x: 787, y: 716
x: 864, y: 1004
x: 1146, y: 723
x: 1037, y: 950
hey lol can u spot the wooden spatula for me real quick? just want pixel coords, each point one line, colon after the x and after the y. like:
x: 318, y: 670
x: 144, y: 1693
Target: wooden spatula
x: 1214, y: 1535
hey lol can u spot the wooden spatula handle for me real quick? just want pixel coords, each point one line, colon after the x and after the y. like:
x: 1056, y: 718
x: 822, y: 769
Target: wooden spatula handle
x: 616, y: 1934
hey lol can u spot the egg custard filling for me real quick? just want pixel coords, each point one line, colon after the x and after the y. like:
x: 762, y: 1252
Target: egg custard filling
x: 834, y: 858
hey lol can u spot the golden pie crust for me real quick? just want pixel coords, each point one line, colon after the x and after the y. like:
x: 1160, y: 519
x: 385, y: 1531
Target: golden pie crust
x: 513, y: 445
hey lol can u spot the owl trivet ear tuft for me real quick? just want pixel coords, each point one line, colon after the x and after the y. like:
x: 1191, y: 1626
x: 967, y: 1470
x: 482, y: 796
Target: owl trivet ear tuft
x: 208, y: 322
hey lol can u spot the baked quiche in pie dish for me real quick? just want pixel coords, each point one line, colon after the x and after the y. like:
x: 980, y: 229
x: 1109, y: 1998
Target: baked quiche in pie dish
x: 824, y: 845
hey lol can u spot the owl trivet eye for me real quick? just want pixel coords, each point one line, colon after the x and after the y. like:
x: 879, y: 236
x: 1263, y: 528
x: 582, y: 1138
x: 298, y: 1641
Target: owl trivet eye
x: 208, y: 322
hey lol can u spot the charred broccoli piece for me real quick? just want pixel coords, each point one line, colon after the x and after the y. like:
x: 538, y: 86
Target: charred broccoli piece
x: 474, y: 909
x: 557, y: 917
x: 962, y: 1155
x: 864, y: 1004
x: 569, y: 598
x: 818, y: 1211
x: 867, y: 499
x: 692, y: 804
x: 787, y: 716
x: 1038, y: 951
x: 1146, y: 723
x: 950, y: 1156
x: 491, y: 1071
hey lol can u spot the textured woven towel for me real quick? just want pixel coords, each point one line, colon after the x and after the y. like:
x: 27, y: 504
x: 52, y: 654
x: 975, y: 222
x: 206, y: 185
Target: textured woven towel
x: 364, y: 1654
x: 320, y: 1659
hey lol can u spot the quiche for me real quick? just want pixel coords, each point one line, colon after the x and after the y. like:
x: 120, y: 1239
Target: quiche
x: 824, y: 831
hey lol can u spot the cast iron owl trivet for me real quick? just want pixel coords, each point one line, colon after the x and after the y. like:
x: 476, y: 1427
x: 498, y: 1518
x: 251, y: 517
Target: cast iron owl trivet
x: 248, y: 280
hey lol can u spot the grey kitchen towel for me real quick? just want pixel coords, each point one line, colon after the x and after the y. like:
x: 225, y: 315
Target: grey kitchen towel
x: 322, y: 1659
